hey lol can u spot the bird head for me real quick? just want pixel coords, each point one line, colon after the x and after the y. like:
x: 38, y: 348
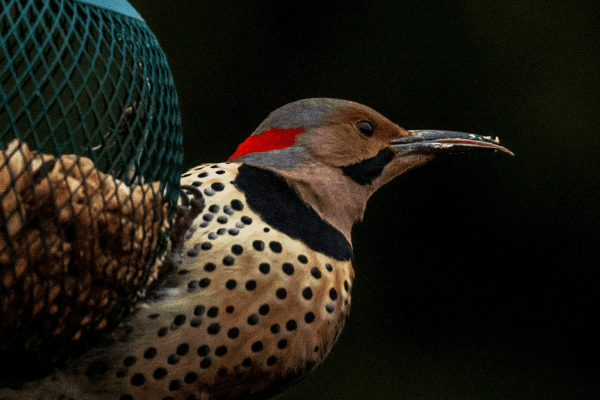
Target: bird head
x: 337, y: 153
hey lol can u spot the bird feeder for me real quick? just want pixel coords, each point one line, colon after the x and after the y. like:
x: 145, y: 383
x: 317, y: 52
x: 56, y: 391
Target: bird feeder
x: 90, y: 162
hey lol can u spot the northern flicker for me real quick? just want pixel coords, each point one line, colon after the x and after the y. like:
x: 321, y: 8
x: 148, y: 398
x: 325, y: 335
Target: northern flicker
x: 264, y: 281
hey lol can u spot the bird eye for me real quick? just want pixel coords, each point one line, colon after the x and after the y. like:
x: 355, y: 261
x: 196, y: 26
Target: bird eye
x: 365, y: 128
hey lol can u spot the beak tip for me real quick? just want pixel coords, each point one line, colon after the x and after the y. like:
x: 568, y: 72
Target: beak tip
x: 422, y: 141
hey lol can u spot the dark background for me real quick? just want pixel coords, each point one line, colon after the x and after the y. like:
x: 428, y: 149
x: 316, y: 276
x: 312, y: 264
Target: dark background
x: 476, y: 275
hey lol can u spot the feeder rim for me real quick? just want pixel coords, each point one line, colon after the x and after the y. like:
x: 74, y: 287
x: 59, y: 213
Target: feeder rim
x: 119, y: 6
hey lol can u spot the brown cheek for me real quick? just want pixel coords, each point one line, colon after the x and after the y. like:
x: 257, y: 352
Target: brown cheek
x: 331, y: 146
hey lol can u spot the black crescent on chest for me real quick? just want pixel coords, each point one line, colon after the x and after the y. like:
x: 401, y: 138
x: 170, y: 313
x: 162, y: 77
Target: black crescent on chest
x: 269, y: 195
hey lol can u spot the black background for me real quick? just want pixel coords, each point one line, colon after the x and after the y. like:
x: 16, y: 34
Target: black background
x: 476, y: 274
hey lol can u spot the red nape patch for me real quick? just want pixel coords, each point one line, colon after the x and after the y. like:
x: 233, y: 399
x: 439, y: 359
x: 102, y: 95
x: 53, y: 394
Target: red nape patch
x: 273, y: 139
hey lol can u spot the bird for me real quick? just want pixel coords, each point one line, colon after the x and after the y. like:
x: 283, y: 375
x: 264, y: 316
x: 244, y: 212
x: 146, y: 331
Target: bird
x: 261, y: 282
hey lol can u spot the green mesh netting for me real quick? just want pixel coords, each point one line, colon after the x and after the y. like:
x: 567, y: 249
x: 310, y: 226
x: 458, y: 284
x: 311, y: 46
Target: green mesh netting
x: 90, y: 162
x: 69, y: 72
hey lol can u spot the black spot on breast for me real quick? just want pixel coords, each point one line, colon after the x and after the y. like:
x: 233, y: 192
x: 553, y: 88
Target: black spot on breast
x: 228, y: 260
x: 150, y: 353
x: 209, y: 267
x: 205, y: 363
x: 138, y: 379
x: 221, y: 351
x: 264, y: 309
x: 333, y: 294
x: 237, y: 205
x: 217, y: 186
x: 182, y: 349
x: 204, y: 282
x: 190, y: 377
x: 309, y: 317
x: 199, y: 310
x: 275, y: 247
x: 129, y: 361
x: 212, y: 312
x: 203, y: 350
x: 231, y: 284
x: 288, y: 268
x: 279, y: 206
x: 213, y: 329
x: 264, y: 268
x: 257, y: 346
x: 307, y: 293
x: 233, y: 333
x: 316, y: 272
x: 174, y: 385
x: 159, y: 373
x: 192, y: 253
x: 253, y: 319
x: 291, y: 325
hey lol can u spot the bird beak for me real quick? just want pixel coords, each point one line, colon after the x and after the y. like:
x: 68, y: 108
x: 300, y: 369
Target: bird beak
x: 432, y: 142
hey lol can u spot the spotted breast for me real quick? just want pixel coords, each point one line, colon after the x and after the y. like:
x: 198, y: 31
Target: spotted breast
x: 254, y: 305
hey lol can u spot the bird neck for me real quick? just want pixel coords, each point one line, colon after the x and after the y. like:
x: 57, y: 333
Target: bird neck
x: 336, y: 198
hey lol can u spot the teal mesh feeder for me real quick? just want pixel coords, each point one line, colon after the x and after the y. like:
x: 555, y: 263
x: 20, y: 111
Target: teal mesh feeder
x: 90, y: 162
